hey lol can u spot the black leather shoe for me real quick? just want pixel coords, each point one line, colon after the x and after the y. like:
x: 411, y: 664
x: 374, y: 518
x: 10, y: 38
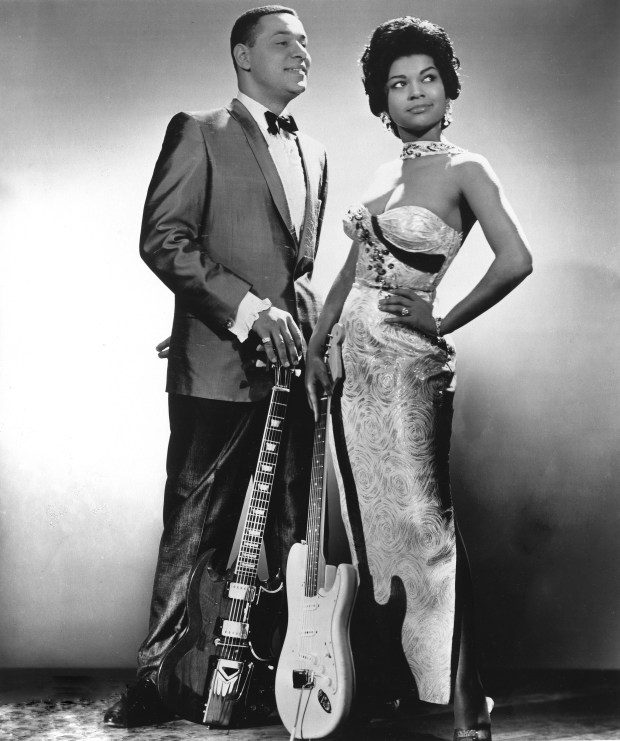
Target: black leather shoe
x: 140, y: 705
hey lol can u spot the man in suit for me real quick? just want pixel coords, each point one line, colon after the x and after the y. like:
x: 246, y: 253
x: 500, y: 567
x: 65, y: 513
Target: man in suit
x: 231, y: 224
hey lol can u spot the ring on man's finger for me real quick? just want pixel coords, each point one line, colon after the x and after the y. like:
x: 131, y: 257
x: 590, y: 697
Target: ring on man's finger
x: 265, y: 339
x: 404, y: 311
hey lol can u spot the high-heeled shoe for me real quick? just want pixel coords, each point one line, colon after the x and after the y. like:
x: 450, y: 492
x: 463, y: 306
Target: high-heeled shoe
x: 481, y: 733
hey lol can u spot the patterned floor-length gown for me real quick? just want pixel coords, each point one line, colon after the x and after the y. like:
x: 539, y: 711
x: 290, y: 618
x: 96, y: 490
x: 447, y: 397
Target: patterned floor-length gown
x: 395, y: 419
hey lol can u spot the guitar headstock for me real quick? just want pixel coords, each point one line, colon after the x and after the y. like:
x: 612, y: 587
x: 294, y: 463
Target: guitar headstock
x: 333, y: 352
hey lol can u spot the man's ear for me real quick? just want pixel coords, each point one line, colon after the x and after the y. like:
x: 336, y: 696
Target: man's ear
x: 241, y: 56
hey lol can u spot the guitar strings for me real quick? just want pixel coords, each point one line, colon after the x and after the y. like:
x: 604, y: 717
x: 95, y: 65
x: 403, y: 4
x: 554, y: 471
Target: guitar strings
x: 313, y: 534
x: 256, y: 517
x: 247, y: 563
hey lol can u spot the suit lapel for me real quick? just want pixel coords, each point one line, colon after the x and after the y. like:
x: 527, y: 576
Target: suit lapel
x: 259, y: 148
x: 313, y: 175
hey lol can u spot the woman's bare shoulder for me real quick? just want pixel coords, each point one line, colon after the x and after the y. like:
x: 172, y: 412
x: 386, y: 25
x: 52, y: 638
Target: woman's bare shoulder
x: 471, y: 162
x: 382, y: 182
x: 472, y: 169
x: 390, y: 169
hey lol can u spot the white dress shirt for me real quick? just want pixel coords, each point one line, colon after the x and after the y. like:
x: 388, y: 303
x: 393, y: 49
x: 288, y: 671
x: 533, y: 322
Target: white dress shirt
x: 285, y: 154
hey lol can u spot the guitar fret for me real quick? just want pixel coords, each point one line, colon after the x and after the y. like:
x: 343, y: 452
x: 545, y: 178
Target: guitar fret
x: 248, y: 563
x: 254, y: 545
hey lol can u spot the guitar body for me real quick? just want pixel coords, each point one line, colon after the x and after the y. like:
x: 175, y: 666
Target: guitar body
x: 200, y: 677
x: 317, y: 649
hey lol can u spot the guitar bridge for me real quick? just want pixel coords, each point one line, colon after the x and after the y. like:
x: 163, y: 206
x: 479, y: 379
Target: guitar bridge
x: 302, y: 679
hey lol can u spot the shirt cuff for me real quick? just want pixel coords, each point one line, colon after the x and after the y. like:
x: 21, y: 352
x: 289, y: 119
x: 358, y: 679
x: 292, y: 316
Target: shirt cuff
x: 247, y: 314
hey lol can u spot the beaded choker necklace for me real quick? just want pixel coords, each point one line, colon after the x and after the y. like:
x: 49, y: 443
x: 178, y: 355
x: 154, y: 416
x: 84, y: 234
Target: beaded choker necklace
x: 411, y: 150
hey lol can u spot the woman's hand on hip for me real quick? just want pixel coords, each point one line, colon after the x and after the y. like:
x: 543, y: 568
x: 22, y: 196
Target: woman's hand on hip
x: 408, y: 309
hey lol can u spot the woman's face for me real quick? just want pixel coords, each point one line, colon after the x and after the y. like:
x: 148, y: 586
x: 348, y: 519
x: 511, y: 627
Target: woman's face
x: 416, y: 97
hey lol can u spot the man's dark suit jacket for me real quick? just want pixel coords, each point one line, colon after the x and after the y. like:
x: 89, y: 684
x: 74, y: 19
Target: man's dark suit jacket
x: 216, y: 224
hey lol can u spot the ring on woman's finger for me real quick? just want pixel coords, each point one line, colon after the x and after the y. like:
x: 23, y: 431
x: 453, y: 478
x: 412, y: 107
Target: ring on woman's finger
x: 265, y: 339
x: 404, y: 311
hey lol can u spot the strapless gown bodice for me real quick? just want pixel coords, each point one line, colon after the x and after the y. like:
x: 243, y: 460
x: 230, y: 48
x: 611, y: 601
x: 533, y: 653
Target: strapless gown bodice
x: 413, y: 229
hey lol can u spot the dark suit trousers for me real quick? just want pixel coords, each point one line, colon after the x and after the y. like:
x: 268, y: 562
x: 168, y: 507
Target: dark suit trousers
x: 212, y: 454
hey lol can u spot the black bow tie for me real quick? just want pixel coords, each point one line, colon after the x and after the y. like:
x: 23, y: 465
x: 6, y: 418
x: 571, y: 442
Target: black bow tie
x: 276, y: 123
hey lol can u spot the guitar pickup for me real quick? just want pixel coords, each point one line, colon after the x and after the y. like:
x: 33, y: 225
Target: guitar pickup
x: 244, y: 592
x: 302, y: 679
x: 234, y: 629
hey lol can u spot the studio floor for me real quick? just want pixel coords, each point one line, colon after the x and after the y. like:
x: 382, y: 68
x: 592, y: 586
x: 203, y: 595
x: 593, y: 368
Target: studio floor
x: 66, y: 705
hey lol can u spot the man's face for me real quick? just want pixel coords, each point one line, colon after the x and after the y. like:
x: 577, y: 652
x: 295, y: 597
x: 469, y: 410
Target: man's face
x: 278, y: 60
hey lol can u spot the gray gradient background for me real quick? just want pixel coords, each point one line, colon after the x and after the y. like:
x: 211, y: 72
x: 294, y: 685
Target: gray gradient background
x: 87, y: 90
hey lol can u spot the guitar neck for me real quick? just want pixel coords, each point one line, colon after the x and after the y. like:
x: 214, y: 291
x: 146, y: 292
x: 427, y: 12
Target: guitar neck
x: 256, y: 517
x: 315, y: 564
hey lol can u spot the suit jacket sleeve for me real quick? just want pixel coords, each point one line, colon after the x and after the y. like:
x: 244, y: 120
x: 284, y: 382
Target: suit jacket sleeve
x: 171, y: 241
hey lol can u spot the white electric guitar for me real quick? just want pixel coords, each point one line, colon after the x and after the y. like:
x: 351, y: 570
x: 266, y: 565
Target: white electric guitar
x: 315, y: 678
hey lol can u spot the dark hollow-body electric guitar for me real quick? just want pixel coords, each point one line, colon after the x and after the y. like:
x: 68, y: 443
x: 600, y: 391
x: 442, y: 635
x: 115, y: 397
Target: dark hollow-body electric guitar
x: 207, y: 675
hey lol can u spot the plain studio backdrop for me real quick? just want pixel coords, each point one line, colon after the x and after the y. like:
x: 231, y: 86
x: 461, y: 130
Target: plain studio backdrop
x: 87, y: 90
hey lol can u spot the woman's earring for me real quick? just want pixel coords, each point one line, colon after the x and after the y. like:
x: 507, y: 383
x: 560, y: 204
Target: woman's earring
x: 447, y: 116
x: 386, y: 121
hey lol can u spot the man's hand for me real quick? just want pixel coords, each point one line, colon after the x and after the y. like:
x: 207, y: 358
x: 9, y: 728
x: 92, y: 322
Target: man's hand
x: 280, y: 336
x: 163, y: 349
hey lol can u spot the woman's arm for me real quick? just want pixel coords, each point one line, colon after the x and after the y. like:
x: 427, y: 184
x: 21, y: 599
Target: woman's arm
x: 512, y: 262
x: 480, y: 187
x: 316, y: 376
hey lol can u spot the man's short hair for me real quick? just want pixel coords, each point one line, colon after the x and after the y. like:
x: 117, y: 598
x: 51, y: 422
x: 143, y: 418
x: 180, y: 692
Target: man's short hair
x: 244, y: 30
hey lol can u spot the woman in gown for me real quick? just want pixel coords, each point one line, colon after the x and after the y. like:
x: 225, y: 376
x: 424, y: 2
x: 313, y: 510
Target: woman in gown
x: 396, y: 400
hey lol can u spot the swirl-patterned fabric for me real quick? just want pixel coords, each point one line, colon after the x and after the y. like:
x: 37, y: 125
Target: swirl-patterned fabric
x: 397, y: 382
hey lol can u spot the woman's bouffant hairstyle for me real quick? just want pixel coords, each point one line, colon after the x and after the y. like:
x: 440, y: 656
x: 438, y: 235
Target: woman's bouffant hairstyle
x: 402, y: 37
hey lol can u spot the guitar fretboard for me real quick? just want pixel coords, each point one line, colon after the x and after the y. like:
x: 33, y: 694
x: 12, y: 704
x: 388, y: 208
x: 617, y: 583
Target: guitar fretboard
x: 256, y: 518
x: 316, y: 503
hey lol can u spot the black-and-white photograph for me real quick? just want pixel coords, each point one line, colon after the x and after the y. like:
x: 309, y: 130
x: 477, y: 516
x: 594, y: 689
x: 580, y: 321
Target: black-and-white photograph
x: 367, y: 252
